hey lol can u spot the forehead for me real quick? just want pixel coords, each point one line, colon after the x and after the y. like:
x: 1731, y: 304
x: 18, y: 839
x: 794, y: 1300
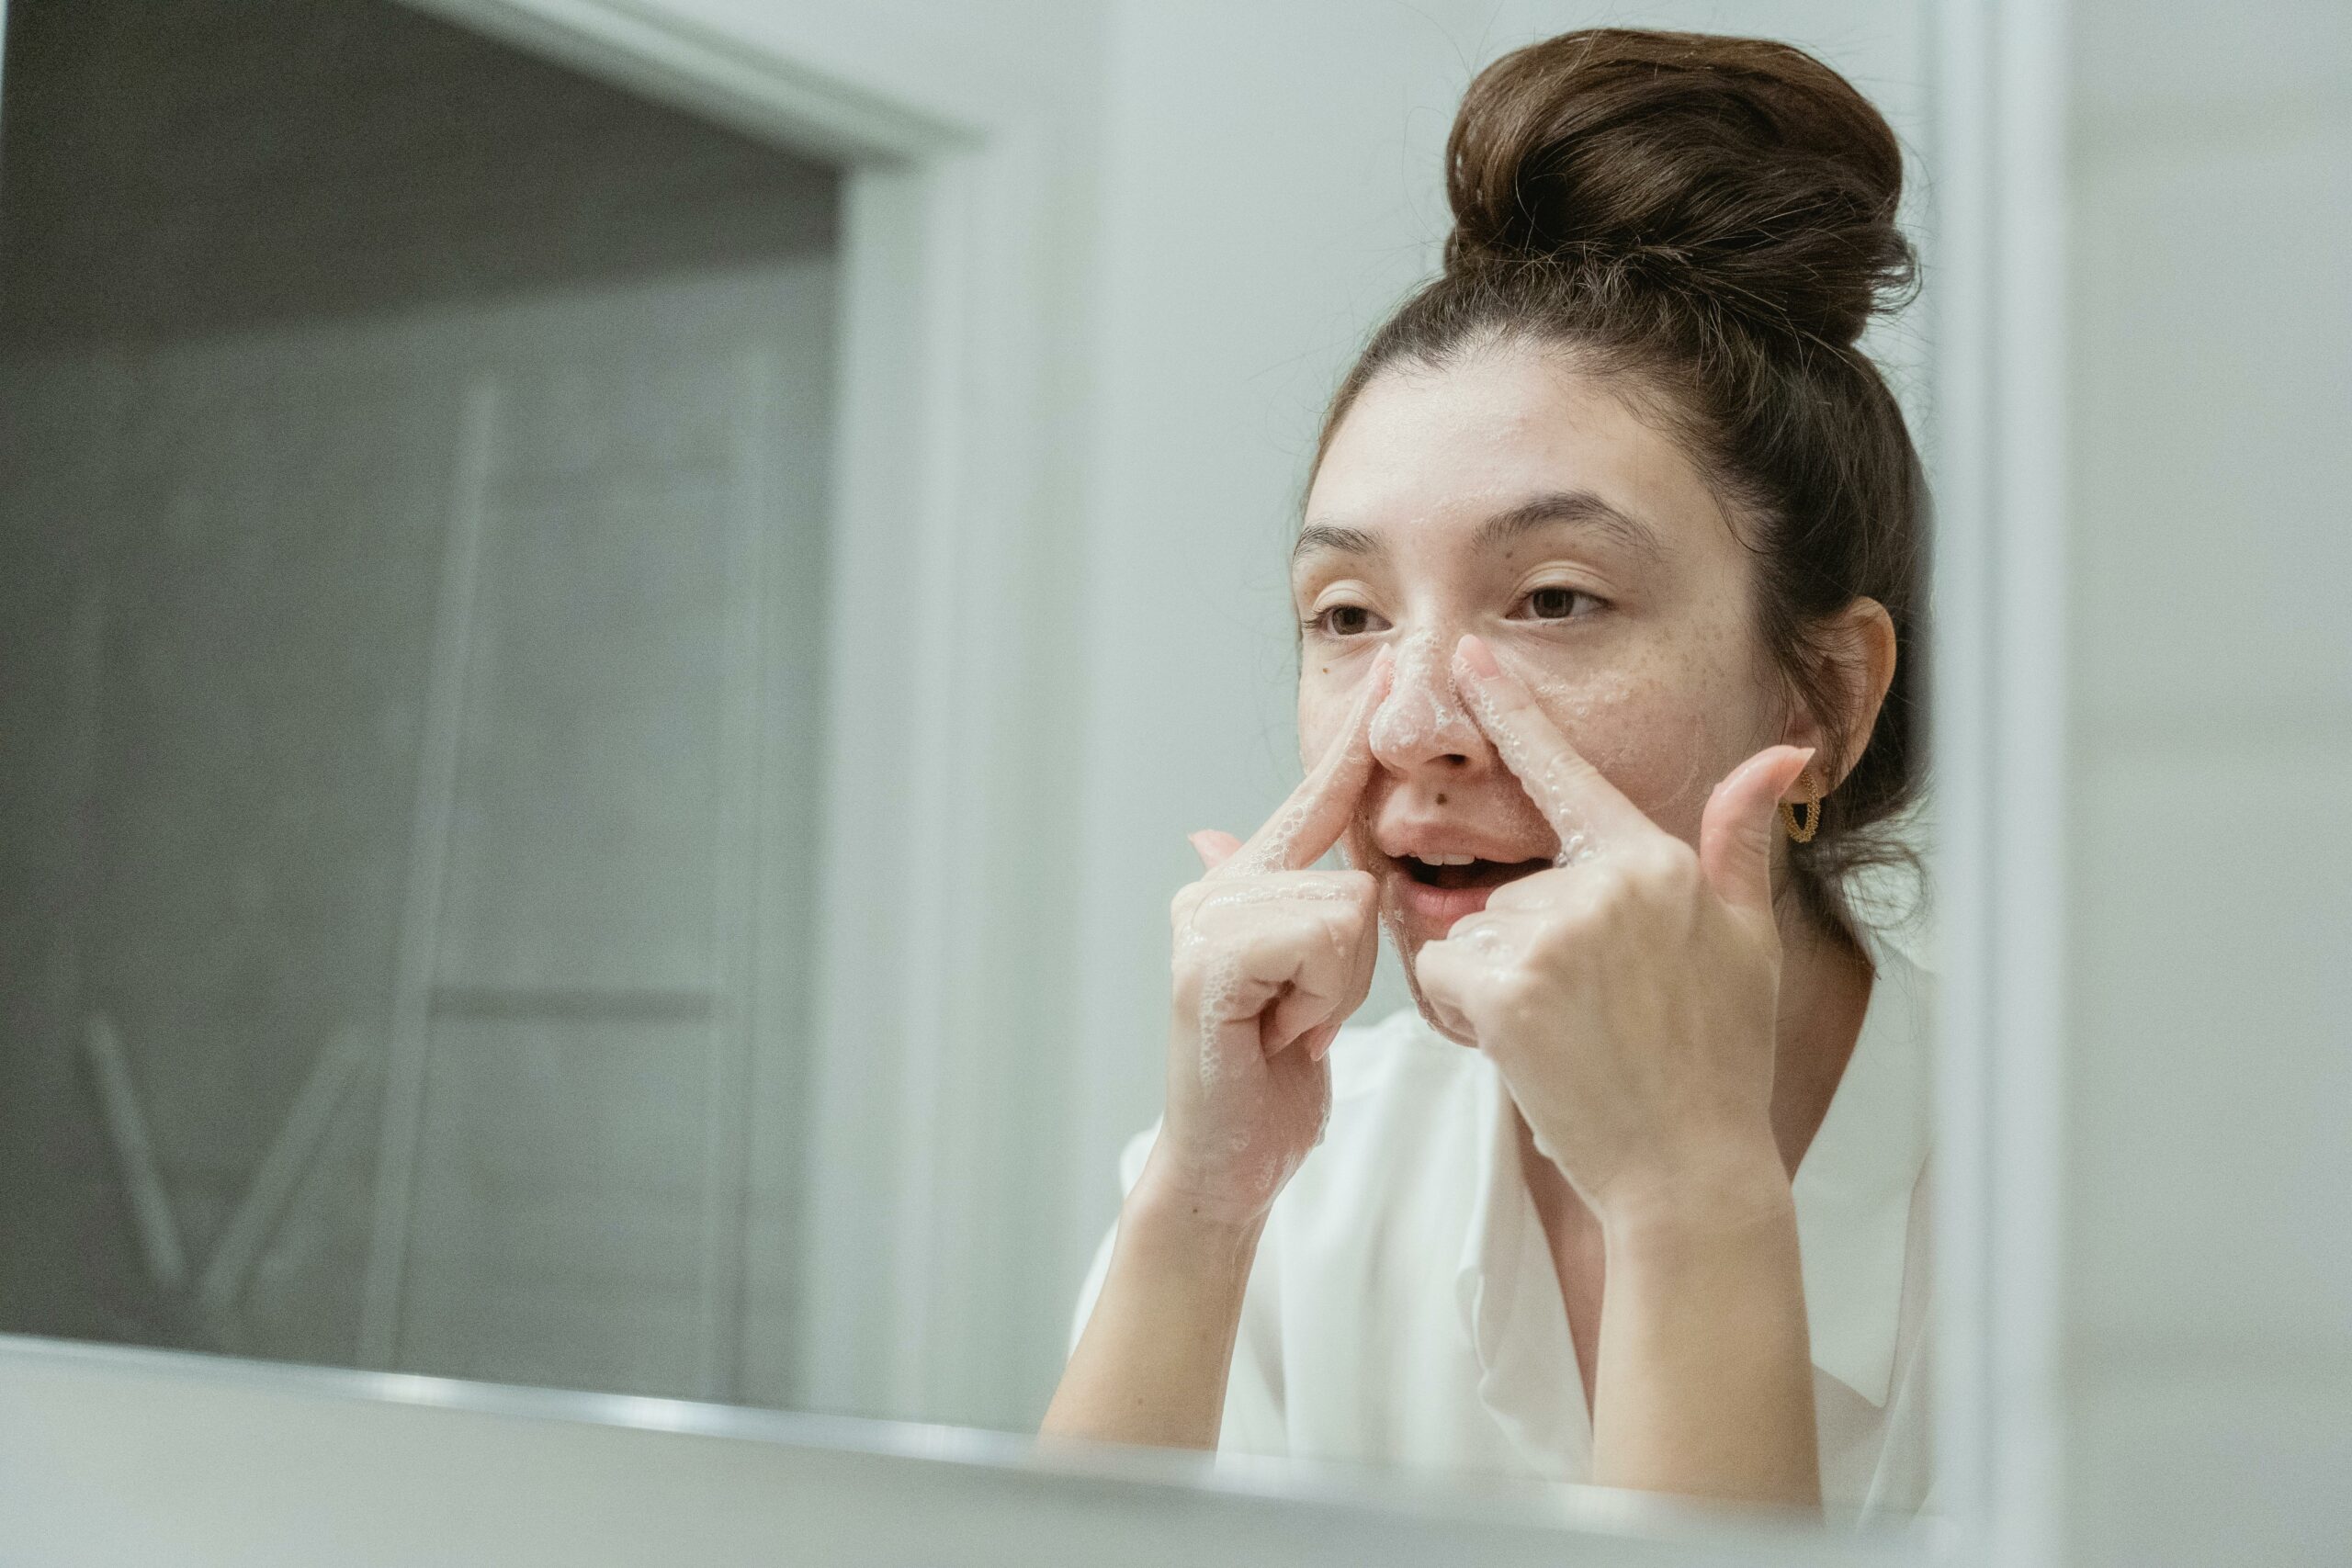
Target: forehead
x: 1444, y: 449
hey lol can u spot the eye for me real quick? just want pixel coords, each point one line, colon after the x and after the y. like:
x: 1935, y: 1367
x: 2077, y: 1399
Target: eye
x: 1344, y: 621
x: 1555, y: 602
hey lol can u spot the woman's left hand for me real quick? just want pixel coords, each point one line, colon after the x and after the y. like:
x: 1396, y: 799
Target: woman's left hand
x: 1627, y: 995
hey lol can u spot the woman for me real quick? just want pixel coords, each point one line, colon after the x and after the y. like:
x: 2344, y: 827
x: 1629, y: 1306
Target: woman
x: 1607, y: 591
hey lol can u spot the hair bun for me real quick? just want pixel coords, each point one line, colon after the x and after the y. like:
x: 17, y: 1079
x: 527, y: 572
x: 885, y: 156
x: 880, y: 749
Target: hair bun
x: 1740, y: 169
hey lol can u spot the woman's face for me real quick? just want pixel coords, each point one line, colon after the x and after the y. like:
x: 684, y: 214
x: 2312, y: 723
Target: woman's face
x: 1511, y: 495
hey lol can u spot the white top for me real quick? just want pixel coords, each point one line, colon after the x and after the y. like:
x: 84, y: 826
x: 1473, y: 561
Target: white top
x: 1403, y: 1308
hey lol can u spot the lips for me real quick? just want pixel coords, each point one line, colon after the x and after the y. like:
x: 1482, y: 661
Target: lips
x: 1434, y: 890
x: 1443, y: 867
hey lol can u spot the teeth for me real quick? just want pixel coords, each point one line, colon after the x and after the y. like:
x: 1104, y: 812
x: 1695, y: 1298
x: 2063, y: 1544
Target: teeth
x: 1447, y: 859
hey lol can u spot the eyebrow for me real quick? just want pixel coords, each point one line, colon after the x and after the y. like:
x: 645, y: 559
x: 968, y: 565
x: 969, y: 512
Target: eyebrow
x: 1580, y: 508
x: 1329, y: 538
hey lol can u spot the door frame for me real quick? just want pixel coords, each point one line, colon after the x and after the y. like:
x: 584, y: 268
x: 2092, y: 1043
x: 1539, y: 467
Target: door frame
x: 945, y: 524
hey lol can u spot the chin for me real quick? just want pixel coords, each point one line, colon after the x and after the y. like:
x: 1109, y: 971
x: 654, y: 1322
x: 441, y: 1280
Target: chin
x: 1409, y: 927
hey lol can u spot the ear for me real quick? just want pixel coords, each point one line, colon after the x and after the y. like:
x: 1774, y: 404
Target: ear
x: 1857, y: 649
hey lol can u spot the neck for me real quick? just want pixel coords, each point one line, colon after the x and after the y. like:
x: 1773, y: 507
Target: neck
x: 1824, y: 990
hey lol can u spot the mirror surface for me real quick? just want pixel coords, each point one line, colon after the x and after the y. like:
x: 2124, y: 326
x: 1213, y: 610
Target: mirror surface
x: 415, y: 474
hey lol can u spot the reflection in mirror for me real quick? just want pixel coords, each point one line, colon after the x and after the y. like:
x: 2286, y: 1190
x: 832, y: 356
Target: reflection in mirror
x: 411, y: 511
x: 415, y: 510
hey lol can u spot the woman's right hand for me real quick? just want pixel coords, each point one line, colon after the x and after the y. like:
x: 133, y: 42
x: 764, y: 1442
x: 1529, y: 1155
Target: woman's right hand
x: 1270, y: 959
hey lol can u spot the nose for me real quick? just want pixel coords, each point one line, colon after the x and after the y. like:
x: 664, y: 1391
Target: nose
x: 1422, y: 721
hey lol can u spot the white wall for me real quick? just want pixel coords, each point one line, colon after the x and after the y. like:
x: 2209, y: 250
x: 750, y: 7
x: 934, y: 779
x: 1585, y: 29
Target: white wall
x: 2209, y: 1122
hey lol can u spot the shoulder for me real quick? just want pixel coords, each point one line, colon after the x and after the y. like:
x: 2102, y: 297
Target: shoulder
x: 1901, y: 1018
x: 1903, y: 956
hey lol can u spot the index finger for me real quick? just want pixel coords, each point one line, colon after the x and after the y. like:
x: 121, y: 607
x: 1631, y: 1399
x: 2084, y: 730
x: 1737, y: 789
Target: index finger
x: 1585, y: 810
x: 1310, y: 821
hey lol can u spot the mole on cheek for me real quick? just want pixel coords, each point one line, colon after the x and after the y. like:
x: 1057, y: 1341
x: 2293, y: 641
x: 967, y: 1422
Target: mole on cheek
x: 1441, y: 799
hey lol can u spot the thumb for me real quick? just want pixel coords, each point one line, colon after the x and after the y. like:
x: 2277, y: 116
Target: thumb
x: 1213, y: 847
x: 1736, y: 832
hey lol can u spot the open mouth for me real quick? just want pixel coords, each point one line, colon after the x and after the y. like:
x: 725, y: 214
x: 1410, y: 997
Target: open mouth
x: 1465, y: 872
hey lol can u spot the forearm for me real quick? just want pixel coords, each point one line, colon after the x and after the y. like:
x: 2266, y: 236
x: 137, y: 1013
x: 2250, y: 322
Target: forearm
x: 1151, y: 1366
x: 1705, y: 1385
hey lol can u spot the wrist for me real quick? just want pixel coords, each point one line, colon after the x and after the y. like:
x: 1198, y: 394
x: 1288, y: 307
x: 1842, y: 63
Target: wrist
x: 1168, y: 1214
x: 1735, y: 1186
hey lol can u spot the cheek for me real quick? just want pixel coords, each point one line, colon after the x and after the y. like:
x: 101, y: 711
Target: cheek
x: 1325, y: 700
x: 1663, y: 725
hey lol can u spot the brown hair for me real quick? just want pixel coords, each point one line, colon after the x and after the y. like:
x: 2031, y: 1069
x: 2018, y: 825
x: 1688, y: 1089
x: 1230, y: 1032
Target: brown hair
x: 1711, y: 221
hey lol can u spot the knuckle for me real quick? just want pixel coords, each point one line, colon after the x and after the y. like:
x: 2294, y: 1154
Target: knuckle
x: 1336, y: 931
x: 1556, y: 934
x: 1528, y: 893
x: 1616, y: 885
x: 1517, y: 992
x: 1350, y: 912
x: 1514, y: 896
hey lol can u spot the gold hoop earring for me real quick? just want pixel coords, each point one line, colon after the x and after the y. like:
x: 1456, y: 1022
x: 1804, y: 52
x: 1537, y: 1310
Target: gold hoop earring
x: 1801, y: 828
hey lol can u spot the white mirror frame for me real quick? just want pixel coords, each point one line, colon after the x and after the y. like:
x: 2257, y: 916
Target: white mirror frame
x: 2000, y: 679
x: 105, y: 1451
x: 1999, y: 676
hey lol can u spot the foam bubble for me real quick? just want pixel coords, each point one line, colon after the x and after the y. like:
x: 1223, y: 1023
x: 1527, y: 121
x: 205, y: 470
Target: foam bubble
x: 1218, y: 988
x: 1272, y: 852
x: 1283, y: 891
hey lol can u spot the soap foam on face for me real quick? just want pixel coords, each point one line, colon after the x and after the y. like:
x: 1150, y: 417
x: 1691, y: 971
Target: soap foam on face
x: 1422, y: 712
